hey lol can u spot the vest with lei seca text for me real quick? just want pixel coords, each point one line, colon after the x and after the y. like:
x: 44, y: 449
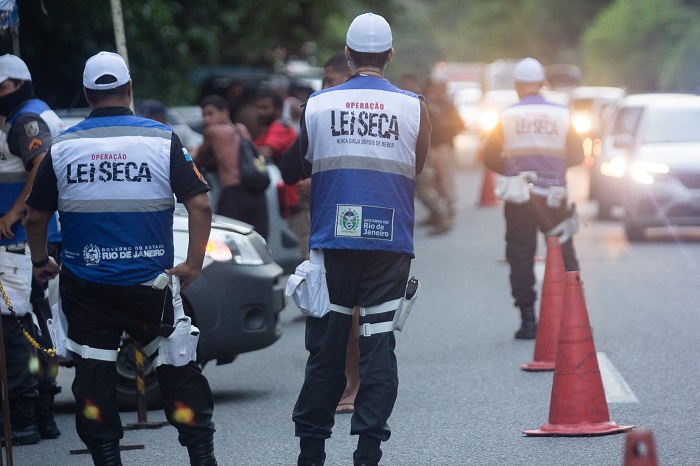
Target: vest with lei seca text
x: 114, y: 198
x: 362, y: 143
x: 534, y: 139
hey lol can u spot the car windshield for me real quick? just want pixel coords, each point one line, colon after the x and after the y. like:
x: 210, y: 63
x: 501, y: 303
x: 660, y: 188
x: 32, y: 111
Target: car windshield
x: 626, y: 121
x: 672, y: 125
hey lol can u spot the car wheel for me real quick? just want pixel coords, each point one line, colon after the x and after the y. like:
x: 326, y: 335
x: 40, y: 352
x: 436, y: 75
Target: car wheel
x: 126, y: 379
x: 126, y: 373
x: 633, y: 231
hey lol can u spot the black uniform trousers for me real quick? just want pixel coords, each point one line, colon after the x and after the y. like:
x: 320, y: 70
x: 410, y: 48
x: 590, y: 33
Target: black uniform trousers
x: 97, y: 315
x: 362, y: 278
x: 522, y: 224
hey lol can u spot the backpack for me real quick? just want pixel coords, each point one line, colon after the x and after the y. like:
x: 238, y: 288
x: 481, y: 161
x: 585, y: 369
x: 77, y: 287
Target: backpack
x: 252, y: 166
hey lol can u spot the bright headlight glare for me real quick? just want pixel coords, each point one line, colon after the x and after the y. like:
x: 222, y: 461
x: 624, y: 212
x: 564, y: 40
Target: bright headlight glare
x: 224, y: 247
x: 582, y: 124
x: 489, y: 120
x: 615, y: 167
x: 644, y: 171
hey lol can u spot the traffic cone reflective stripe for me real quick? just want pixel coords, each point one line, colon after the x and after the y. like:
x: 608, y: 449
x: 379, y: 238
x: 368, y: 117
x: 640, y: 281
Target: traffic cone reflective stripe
x: 551, y: 304
x: 488, y: 195
x: 578, y: 406
x: 640, y: 449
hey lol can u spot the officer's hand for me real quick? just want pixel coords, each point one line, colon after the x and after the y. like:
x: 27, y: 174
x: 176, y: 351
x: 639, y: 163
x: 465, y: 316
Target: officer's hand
x: 47, y: 272
x: 304, y: 188
x: 6, y: 223
x: 187, y: 274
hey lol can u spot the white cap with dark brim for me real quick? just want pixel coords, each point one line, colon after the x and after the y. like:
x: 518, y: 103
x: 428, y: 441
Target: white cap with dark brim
x: 528, y: 70
x: 105, y: 64
x: 13, y: 67
x: 369, y: 33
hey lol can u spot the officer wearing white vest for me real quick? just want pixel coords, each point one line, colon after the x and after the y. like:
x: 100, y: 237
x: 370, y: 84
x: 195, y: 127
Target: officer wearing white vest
x: 112, y: 179
x: 366, y: 140
x: 28, y: 131
x: 533, y: 145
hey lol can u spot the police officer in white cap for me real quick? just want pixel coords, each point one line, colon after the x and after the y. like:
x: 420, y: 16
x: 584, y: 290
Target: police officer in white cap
x: 113, y: 178
x: 533, y: 144
x: 29, y: 129
x: 366, y: 140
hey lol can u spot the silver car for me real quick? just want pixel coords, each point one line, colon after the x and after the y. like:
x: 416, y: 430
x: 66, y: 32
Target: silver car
x: 662, y: 175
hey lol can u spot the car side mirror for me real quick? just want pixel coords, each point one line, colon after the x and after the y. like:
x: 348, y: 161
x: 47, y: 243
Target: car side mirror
x: 623, y: 141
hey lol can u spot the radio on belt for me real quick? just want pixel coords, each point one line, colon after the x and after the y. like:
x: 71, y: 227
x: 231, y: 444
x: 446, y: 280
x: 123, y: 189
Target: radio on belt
x: 161, y: 281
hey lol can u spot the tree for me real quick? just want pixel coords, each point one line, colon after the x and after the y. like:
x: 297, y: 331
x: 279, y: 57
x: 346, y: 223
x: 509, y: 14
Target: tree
x: 645, y: 45
x: 168, y: 39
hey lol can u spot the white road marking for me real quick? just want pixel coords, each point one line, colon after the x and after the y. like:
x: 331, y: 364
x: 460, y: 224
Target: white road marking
x: 616, y: 389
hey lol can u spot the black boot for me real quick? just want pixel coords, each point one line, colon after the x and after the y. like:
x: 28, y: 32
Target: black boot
x: 528, y: 327
x: 24, y: 430
x: 368, y: 452
x: 106, y: 453
x: 312, y: 451
x: 202, y: 453
x: 44, y: 416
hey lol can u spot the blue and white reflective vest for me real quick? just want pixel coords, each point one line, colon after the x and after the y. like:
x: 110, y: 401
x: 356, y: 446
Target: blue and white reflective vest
x: 534, y: 139
x: 115, y: 200
x: 13, y: 174
x: 362, y: 146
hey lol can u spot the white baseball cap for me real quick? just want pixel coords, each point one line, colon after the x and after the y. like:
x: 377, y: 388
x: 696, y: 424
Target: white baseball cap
x: 528, y: 70
x: 13, y: 67
x: 105, y: 64
x: 369, y: 33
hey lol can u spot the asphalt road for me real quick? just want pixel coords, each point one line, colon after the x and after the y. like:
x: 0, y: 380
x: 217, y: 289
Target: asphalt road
x: 462, y: 398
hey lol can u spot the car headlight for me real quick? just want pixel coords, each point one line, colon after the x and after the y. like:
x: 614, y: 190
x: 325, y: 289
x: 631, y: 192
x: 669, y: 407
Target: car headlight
x: 582, y: 124
x: 225, y: 247
x: 614, y: 167
x: 488, y: 120
x: 644, y: 172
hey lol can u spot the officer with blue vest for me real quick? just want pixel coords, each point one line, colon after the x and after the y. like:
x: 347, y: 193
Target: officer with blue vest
x: 113, y: 179
x: 366, y: 140
x: 29, y: 128
x: 534, y: 142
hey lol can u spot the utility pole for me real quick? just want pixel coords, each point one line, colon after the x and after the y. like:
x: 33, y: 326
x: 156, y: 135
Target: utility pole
x: 120, y: 36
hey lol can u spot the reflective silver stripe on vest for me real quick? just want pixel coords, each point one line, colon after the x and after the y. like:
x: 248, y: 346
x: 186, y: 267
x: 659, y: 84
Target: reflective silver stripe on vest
x: 116, y: 205
x: 364, y: 163
x: 115, y: 132
x: 13, y: 177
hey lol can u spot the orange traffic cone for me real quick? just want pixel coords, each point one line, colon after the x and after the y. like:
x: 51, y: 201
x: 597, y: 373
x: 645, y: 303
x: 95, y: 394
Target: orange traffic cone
x: 640, y: 449
x: 488, y: 196
x: 578, y: 406
x: 551, y: 303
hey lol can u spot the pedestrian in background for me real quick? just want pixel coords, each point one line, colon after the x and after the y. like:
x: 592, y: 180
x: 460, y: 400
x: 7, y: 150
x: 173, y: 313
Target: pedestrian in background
x: 536, y: 136
x: 113, y: 178
x: 30, y: 126
x: 447, y: 124
x: 362, y: 180
x: 426, y: 181
x: 219, y: 153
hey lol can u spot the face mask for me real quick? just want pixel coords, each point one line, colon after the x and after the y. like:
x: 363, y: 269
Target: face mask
x: 10, y: 103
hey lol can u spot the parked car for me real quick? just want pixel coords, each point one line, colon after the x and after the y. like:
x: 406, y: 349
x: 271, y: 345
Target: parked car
x: 609, y: 167
x: 590, y: 110
x: 283, y: 243
x: 662, y: 178
x: 492, y: 102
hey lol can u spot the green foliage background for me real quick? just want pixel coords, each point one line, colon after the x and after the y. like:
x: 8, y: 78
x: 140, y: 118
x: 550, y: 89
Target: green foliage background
x: 644, y: 45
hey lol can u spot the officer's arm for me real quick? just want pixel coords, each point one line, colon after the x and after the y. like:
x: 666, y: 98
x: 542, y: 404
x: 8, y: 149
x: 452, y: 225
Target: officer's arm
x: 16, y: 212
x: 574, y: 148
x: 492, y: 151
x: 423, y: 142
x: 199, y: 224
